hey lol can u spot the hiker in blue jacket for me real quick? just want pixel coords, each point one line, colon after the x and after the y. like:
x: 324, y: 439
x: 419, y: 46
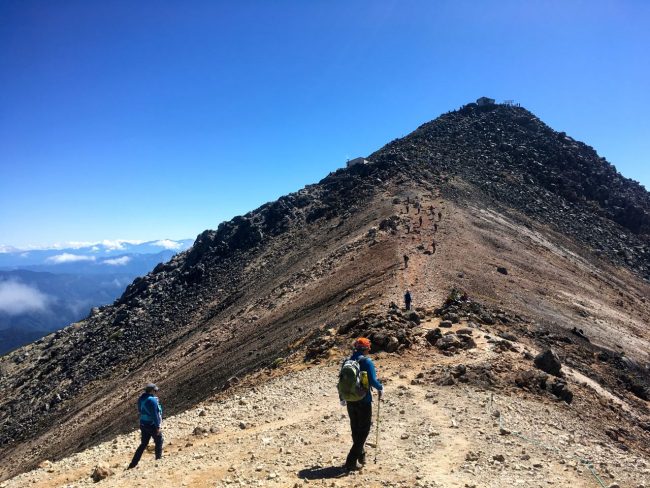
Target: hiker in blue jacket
x: 360, y: 412
x: 150, y: 422
x: 408, y: 299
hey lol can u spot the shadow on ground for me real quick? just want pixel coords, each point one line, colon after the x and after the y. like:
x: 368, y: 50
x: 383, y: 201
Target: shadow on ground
x: 320, y: 473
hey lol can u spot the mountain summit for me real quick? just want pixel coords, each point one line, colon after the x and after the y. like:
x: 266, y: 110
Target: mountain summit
x: 547, y: 239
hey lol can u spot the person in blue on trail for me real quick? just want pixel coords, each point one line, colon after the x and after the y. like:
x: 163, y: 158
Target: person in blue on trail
x: 408, y: 299
x: 150, y: 423
x: 360, y: 411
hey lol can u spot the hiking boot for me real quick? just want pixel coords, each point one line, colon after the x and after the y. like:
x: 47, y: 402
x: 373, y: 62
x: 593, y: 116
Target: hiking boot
x: 350, y: 467
x: 362, y: 458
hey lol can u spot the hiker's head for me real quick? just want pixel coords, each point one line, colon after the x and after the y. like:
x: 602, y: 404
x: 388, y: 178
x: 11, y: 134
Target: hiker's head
x: 150, y: 388
x: 362, y: 344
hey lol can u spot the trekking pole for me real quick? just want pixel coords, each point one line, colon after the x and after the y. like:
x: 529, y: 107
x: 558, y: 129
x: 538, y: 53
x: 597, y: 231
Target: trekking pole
x: 377, y: 435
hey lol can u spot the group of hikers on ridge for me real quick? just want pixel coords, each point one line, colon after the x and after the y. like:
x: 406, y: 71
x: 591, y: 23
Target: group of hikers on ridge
x: 357, y: 378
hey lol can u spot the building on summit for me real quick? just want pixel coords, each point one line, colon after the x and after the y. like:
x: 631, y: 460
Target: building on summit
x: 355, y: 161
x: 485, y: 101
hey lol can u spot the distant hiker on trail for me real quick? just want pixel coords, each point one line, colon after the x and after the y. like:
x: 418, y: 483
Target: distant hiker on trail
x: 407, y: 209
x: 406, y: 261
x: 435, y: 227
x: 434, y: 246
x: 357, y: 378
x: 420, y: 220
x: 417, y: 205
x: 407, y: 300
x: 150, y: 422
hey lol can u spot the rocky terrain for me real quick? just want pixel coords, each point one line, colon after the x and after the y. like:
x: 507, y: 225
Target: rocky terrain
x: 454, y: 420
x: 530, y: 253
x: 512, y: 156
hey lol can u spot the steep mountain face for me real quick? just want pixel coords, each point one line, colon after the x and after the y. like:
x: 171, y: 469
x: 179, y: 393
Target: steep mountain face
x: 504, y: 191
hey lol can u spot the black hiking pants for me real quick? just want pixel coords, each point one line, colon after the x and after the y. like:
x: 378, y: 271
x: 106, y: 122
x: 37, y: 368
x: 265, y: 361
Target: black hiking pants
x: 360, y: 421
x: 146, y: 433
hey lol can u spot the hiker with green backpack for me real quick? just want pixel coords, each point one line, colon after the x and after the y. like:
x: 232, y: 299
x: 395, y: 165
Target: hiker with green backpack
x: 356, y: 380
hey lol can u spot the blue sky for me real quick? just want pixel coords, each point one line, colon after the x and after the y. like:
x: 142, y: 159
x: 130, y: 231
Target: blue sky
x: 154, y: 119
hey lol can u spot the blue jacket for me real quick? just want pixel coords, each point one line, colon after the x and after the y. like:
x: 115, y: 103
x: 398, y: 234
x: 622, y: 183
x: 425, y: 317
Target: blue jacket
x: 366, y: 364
x: 150, y: 410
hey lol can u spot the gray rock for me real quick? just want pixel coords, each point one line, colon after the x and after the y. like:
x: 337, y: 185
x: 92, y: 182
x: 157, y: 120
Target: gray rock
x: 413, y: 316
x: 100, y: 473
x: 452, y: 317
x: 391, y: 344
x: 433, y: 335
x: 548, y: 362
x: 448, y: 341
x: 561, y: 390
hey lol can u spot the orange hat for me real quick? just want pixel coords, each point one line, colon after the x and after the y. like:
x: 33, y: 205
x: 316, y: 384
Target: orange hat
x: 362, y: 343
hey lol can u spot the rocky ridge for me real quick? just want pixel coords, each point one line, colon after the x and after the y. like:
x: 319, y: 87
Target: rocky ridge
x: 251, y: 291
x: 519, y: 161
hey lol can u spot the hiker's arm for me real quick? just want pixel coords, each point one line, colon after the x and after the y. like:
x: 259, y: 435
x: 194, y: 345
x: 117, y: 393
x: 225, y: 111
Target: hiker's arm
x: 158, y: 414
x: 155, y: 411
x: 372, y: 376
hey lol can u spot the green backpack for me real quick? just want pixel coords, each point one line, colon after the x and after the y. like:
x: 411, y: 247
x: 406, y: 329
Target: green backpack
x: 351, y: 381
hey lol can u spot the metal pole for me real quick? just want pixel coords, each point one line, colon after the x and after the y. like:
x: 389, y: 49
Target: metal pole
x: 377, y: 435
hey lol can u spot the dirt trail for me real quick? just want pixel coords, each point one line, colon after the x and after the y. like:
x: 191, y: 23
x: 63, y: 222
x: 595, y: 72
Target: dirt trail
x: 290, y: 431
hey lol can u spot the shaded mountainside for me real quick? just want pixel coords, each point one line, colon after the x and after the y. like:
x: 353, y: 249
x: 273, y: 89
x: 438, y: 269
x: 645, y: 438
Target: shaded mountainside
x: 255, y: 288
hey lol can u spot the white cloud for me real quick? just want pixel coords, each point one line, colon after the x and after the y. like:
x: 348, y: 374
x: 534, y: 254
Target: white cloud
x: 17, y: 298
x: 118, y: 261
x: 168, y: 244
x: 68, y: 258
x: 70, y: 245
x: 118, y: 244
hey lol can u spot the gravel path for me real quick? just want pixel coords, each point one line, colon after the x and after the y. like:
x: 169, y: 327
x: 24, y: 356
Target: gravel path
x: 291, y: 431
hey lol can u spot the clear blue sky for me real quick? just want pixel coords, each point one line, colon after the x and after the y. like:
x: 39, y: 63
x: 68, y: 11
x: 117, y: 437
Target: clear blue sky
x: 156, y: 119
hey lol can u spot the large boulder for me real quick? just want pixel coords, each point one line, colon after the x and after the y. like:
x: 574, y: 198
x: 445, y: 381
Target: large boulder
x: 413, y: 317
x: 433, y: 335
x: 560, y: 389
x: 549, y: 362
x: 391, y: 344
x: 448, y: 342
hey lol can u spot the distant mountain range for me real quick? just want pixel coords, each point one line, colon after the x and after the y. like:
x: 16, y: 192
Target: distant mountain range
x: 42, y: 290
x: 87, y: 257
